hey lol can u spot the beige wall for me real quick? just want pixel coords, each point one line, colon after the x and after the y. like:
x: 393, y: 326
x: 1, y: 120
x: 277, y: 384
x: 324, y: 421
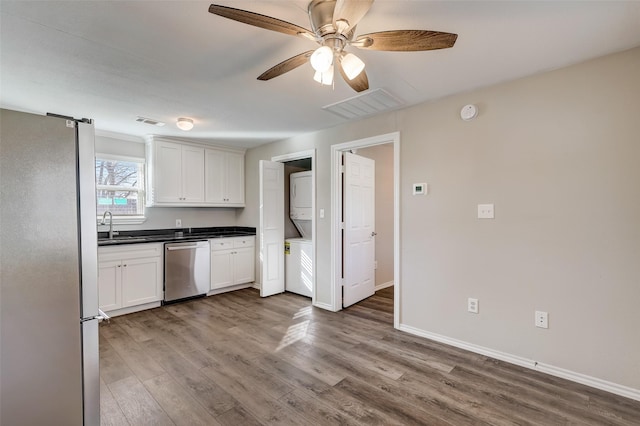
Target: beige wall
x: 383, y: 156
x: 558, y: 155
x: 126, y: 147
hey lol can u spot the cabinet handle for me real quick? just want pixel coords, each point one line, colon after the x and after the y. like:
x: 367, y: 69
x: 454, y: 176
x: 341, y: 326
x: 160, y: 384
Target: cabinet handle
x: 125, y: 266
x: 119, y: 266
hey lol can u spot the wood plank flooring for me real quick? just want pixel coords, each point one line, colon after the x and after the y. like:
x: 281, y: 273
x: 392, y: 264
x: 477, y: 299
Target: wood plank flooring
x: 237, y: 359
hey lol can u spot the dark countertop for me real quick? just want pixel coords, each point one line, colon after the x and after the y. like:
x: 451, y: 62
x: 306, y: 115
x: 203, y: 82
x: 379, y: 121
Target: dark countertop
x: 172, y: 235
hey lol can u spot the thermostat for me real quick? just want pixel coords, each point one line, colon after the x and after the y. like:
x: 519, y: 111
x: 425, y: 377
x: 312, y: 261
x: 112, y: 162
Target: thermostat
x: 419, y: 188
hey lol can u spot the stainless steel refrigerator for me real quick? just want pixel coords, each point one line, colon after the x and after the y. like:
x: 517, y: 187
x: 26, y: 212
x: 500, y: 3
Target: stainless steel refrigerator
x: 48, y: 272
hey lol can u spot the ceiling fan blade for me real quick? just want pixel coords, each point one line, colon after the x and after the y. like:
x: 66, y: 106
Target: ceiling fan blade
x: 359, y: 83
x: 261, y: 21
x: 286, y: 66
x: 347, y: 13
x: 405, y: 40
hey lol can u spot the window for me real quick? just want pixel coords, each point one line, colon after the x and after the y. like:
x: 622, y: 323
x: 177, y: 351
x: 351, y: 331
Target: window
x: 120, y: 187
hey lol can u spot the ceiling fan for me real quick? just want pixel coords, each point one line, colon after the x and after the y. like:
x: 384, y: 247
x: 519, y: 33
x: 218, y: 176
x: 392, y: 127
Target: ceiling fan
x: 333, y: 25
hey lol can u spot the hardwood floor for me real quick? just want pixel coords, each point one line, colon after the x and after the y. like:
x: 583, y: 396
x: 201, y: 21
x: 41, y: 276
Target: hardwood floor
x: 237, y: 359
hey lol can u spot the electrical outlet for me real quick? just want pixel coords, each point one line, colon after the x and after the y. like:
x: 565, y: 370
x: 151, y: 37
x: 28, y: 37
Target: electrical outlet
x: 542, y: 319
x: 485, y: 211
x: 178, y: 223
x: 473, y: 305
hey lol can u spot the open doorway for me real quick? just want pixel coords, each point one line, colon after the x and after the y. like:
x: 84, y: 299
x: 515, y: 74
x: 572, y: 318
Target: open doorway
x: 299, y: 223
x: 384, y: 150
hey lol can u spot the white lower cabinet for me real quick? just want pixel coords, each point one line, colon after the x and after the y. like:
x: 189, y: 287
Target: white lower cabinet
x: 129, y: 275
x: 232, y: 261
x: 109, y: 285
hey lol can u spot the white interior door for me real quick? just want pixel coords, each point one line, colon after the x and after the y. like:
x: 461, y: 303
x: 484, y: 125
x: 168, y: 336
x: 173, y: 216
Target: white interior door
x: 359, y: 228
x: 271, y: 228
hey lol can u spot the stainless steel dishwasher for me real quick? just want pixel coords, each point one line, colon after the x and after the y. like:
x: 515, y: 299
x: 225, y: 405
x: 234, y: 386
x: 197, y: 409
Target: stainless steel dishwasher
x: 187, y: 270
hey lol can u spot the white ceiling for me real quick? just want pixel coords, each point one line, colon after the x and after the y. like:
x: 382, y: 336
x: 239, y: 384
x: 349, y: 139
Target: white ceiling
x: 115, y: 60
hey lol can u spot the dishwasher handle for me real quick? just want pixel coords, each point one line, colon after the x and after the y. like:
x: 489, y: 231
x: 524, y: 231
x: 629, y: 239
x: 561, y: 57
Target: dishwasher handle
x: 200, y: 244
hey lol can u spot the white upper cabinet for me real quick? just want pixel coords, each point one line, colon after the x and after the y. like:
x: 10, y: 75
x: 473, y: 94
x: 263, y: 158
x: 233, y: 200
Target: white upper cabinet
x: 178, y: 171
x: 168, y: 184
x: 224, y: 180
x: 186, y: 174
x: 192, y: 174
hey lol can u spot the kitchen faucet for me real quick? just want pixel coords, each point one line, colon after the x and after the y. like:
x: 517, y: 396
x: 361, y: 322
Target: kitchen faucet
x: 110, y: 223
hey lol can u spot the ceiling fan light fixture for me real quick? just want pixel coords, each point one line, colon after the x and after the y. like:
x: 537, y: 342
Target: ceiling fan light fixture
x: 325, y: 78
x: 352, y: 65
x: 185, y: 124
x: 322, y: 59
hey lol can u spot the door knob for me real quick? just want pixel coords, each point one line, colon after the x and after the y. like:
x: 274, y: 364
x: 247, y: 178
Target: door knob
x: 373, y: 234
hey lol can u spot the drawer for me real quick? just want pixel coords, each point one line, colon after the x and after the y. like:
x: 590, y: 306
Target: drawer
x: 240, y: 242
x: 221, y: 244
x: 129, y: 251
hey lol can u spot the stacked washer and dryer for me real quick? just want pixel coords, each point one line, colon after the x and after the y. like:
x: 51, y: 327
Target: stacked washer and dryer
x: 299, y: 251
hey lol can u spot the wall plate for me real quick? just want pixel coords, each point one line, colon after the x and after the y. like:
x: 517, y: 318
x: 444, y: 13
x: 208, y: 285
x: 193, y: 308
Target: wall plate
x: 485, y: 211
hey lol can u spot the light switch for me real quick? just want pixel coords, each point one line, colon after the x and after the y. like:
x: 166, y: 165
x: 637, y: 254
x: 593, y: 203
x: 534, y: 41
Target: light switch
x: 485, y: 211
x: 321, y: 213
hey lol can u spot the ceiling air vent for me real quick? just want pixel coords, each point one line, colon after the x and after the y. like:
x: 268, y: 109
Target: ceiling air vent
x: 149, y: 121
x: 365, y: 104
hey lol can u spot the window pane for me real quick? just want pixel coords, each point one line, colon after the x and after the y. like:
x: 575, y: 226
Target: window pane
x: 118, y: 174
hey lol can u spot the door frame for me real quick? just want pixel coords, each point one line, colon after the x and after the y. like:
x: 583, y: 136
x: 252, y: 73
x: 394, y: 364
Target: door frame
x: 336, y: 235
x: 310, y: 153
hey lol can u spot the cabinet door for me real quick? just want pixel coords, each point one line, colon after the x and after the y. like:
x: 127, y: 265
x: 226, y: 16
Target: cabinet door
x: 192, y: 174
x: 141, y: 281
x: 215, y: 176
x: 235, y: 178
x: 109, y: 285
x: 221, y: 268
x: 244, y: 265
x: 168, y: 173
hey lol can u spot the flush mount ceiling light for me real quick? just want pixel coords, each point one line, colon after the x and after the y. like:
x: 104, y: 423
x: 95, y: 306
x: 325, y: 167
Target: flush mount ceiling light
x: 333, y: 27
x: 185, y: 124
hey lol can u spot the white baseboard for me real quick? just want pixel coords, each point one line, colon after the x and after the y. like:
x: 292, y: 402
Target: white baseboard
x: 325, y: 306
x: 230, y: 288
x: 383, y: 285
x: 593, y: 382
x: 132, y: 309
